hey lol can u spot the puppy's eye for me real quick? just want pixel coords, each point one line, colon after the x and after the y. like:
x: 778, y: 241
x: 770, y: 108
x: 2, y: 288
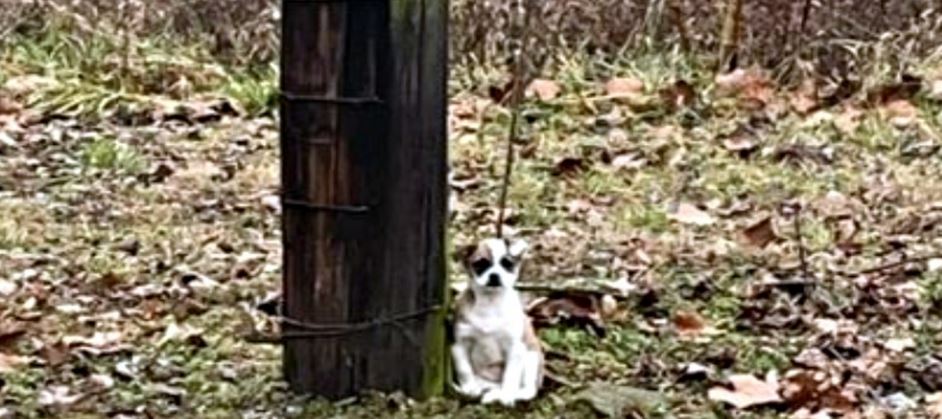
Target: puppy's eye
x: 480, y: 265
x: 507, y: 263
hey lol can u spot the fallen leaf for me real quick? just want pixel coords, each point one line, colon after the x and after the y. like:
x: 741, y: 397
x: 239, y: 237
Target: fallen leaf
x: 935, y: 90
x: 568, y: 165
x: 622, y: 286
x: 689, y: 214
x: 617, y: 136
x: 102, y: 381
x: 899, y: 344
x: 9, y: 106
x: 615, y: 401
x: 848, y: 120
x: 271, y: 203
x: 185, y: 333
x: 689, y: 323
x: 678, y: 95
x: 24, y: 85
x: 7, y: 288
x: 7, y: 141
x: 750, y: 85
x: 10, y: 332
x: 742, y: 141
x: 695, y: 372
x: 934, y: 265
x: 934, y: 405
x: 900, y: 112
x: 760, y: 234
x: 623, y: 86
x: 572, y: 308
x: 814, y: 389
x: 746, y: 391
x: 499, y: 93
x: 54, y: 354
x: 903, y: 90
x: 608, y: 306
x: 898, y: 402
x: 545, y: 90
x: 100, y: 343
x: 630, y: 161
x: 58, y: 396
x: 804, y: 100
x: 10, y: 363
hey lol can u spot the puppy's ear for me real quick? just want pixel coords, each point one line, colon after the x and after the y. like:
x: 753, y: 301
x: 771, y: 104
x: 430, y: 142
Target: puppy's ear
x: 464, y: 254
x: 517, y: 248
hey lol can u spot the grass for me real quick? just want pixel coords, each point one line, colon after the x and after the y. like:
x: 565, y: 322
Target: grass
x: 207, y: 215
x: 109, y: 155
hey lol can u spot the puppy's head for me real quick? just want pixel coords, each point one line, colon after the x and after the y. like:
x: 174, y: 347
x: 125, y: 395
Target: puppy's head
x: 494, y: 264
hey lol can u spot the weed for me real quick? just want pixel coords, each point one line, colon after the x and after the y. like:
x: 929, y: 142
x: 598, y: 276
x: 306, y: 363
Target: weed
x: 110, y: 155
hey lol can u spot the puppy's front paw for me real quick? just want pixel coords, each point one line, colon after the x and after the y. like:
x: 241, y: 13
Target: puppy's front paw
x: 526, y: 394
x: 470, y: 389
x: 497, y: 395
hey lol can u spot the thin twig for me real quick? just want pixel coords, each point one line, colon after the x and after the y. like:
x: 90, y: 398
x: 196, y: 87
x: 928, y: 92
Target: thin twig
x: 801, y: 245
x: 549, y: 289
x: 515, y: 99
x: 897, y: 264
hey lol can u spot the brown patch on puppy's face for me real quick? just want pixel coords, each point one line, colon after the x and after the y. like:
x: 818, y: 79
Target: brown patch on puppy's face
x: 495, y: 263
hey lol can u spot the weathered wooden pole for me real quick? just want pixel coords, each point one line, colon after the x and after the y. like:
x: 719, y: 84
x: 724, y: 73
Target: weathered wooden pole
x: 364, y: 160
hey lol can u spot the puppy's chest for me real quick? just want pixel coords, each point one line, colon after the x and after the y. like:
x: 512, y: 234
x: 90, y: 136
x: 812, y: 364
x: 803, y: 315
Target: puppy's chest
x: 493, y: 323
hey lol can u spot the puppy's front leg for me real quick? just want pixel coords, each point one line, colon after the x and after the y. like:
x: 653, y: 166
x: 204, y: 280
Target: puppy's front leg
x: 467, y: 383
x: 513, y: 376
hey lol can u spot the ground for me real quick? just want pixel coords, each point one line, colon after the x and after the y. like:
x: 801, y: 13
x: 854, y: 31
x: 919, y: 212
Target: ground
x: 742, y: 247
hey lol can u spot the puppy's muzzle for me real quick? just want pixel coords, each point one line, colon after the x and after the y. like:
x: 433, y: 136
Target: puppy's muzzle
x: 493, y: 280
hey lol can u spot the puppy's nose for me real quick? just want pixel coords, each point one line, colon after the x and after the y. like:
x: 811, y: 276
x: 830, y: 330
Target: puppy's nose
x: 493, y: 280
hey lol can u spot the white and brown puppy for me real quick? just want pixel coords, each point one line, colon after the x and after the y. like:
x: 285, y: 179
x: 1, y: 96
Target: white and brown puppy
x: 496, y: 353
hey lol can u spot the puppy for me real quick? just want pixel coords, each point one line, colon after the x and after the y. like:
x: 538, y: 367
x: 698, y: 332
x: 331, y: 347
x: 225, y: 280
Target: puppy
x: 496, y: 353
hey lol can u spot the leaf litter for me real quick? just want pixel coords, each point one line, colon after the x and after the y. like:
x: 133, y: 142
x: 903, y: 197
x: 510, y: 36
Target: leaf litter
x: 642, y: 192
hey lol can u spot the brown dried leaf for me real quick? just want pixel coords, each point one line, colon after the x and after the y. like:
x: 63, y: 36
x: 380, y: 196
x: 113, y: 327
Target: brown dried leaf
x: 747, y: 391
x: 903, y: 90
x: 689, y: 323
x: 575, y: 308
x: 55, y: 354
x: 900, y: 112
x: 811, y: 389
x: 934, y: 405
x: 499, y: 93
x: 545, y: 90
x: 848, y: 120
x: 623, y: 86
x: 760, y: 234
x: 750, y: 85
x: 10, y: 363
x: 679, y: 95
x: 8, y: 106
x: 804, y: 100
x: 568, y: 166
x: 10, y: 332
x: 689, y: 214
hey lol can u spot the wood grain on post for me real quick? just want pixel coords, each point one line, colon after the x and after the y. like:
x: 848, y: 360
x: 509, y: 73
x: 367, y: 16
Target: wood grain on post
x: 364, y: 161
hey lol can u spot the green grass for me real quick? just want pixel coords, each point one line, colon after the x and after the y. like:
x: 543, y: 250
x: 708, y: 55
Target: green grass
x: 110, y: 155
x: 212, y: 225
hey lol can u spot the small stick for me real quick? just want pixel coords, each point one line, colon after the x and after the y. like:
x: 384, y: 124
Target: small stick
x: 516, y: 97
x: 899, y: 263
x: 793, y: 209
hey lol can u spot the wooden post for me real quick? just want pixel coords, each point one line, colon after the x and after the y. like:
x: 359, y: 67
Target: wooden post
x: 364, y: 162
